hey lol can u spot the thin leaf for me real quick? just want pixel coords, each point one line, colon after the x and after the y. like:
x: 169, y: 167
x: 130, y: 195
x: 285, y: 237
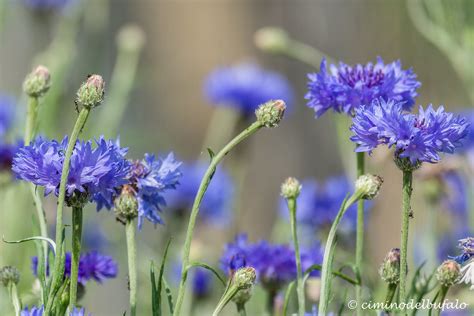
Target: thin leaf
x: 41, y: 238
x: 169, y: 295
x: 289, y: 289
x: 211, y: 153
x: 154, y: 292
x: 160, y: 279
x: 208, y: 267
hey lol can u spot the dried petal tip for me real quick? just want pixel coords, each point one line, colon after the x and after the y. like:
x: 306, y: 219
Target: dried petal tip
x: 244, y: 278
x: 448, y: 273
x: 126, y: 204
x: 290, y: 189
x: 271, y: 113
x: 9, y: 274
x: 37, y: 82
x: 369, y: 185
x: 390, y: 269
x: 272, y: 39
x: 91, y: 92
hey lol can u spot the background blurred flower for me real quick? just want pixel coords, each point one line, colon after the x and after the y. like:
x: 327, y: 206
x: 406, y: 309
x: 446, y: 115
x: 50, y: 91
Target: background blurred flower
x: 245, y: 86
x: 34, y: 311
x: 419, y: 138
x: 345, y: 88
x: 7, y: 113
x: 47, y: 5
x: 216, y: 206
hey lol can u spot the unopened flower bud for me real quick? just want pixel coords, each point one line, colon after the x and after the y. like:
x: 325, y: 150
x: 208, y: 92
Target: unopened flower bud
x: 244, y: 278
x: 9, y: 274
x: 390, y: 269
x: 91, y: 92
x: 37, y: 82
x: 369, y: 185
x: 126, y: 204
x: 448, y: 273
x: 272, y: 39
x: 271, y: 113
x: 131, y: 38
x: 404, y: 164
x: 290, y: 189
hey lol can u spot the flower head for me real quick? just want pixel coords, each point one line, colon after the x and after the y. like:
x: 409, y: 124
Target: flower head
x: 467, y: 247
x: 369, y: 185
x: 37, y: 82
x: 416, y: 138
x: 216, y: 205
x: 7, y: 113
x: 92, y: 266
x: 9, y: 274
x: 270, y: 114
x: 94, y: 173
x: 274, y: 263
x: 150, y: 179
x: 245, y: 87
x: 91, y: 93
x: 390, y: 269
x: 34, y: 311
x: 345, y: 88
x: 290, y: 188
x: 448, y: 273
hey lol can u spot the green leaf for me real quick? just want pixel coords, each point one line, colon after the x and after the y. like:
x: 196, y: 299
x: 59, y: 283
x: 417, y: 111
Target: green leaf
x: 208, y: 267
x: 41, y: 238
x: 169, y: 295
x: 288, y: 292
x: 157, y: 307
x: 211, y: 153
x: 154, y: 292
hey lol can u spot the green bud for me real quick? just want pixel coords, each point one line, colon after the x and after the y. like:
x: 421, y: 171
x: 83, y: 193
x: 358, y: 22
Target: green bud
x: 91, y: 92
x: 126, y: 204
x: 290, y: 189
x: 9, y: 274
x: 448, y: 273
x: 272, y: 40
x: 369, y: 185
x: 244, y: 278
x: 390, y: 269
x: 37, y: 82
x: 271, y: 113
x: 404, y: 164
x: 242, y: 296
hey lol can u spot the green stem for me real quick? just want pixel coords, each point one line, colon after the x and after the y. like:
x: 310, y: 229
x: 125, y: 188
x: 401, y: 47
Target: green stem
x: 130, y: 230
x: 76, y: 254
x: 80, y: 122
x: 14, y: 298
x: 241, y: 310
x: 392, y: 288
x: 360, y: 235
x: 406, y: 209
x: 271, y: 294
x: 442, y: 295
x: 228, y: 295
x: 299, y: 274
x: 328, y: 254
x: 31, y: 120
x: 197, y: 202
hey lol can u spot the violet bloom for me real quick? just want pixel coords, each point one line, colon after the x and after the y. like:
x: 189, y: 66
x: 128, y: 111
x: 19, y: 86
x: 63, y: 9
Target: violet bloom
x: 47, y: 5
x: 39, y: 311
x: 274, y: 263
x: 245, y: 86
x: 7, y: 113
x: 94, y: 173
x: 345, y: 88
x: 467, y: 250
x: 216, y: 206
x: 417, y: 138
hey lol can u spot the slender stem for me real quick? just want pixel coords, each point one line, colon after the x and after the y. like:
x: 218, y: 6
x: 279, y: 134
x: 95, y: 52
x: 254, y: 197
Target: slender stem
x: 76, y: 254
x: 406, y: 209
x: 130, y: 230
x: 31, y: 120
x: 391, y: 289
x: 328, y: 254
x: 299, y: 274
x: 228, y: 295
x: 442, y: 295
x: 360, y: 235
x: 80, y: 122
x: 197, y: 202
x: 15, y: 298
x: 241, y: 310
x: 271, y: 294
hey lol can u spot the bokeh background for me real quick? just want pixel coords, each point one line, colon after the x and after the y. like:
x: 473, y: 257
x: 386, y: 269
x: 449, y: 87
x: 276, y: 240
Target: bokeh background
x: 166, y: 110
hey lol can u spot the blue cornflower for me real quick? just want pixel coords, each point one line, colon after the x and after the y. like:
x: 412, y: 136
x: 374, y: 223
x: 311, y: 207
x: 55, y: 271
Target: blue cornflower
x: 149, y: 179
x: 467, y: 247
x: 7, y: 152
x: 245, y: 86
x: 7, y: 113
x: 418, y: 138
x: 274, y: 263
x: 319, y: 203
x: 216, y: 205
x: 92, y: 266
x: 47, y: 5
x: 78, y: 312
x: 95, y: 173
x: 346, y: 88
x: 34, y: 311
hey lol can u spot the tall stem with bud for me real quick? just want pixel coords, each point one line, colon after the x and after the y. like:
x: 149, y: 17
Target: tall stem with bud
x: 268, y: 115
x: 360, y: 235
x: 406, y: 213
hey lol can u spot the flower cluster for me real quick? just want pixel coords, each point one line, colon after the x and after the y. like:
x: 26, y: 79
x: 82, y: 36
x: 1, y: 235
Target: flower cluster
x: 418, y: 138
x: 346, y: 88
x: 39, y: 311
x: 217, y: 203
x: 319, y: 203
x: 92, y: 266
x: 246, y: 86
x: 94, y: 172
x: 274, y: 263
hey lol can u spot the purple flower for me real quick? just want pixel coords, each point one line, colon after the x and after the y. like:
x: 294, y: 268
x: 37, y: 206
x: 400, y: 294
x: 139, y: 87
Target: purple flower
x: 274, y: 263
x: 216, y: 205
x: 467, y: 247
x: 418, y: 138
x: 7, y: 113
x: 34, y: 311
x: 92, y: 266
x: 7, y: 152
x: 150, y: 179
x: 346, y: 88
x: 47, y: 5
x: 246, y: 86
x: 94, y: 172
x: 455, y: 194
